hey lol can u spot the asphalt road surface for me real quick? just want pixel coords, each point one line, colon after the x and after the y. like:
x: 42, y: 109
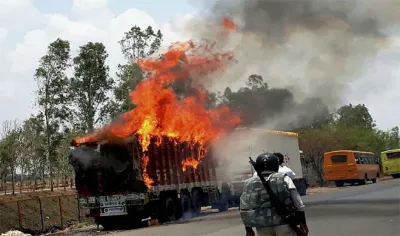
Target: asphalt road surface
x: 368, y: 210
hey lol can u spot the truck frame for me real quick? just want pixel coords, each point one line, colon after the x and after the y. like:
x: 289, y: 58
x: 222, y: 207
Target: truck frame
x: 121, y: 200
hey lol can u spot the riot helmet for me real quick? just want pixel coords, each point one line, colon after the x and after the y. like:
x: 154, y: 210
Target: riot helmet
x: 267, y: 162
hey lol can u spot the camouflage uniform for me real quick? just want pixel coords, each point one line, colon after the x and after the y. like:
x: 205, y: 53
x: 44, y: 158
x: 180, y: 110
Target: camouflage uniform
x: 256, y: 207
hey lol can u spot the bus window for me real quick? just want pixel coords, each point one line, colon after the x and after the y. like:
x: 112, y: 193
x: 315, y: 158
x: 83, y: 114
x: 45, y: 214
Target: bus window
x: 362, y: 159
x: 339, y: 159
x: 358, y: 157
x: 393, y: 155
x: 369, y: 159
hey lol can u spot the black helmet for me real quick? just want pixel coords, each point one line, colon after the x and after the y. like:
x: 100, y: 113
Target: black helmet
x: 267, y: 161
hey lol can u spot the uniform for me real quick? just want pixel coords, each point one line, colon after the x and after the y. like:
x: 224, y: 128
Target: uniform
x: 256, y: 208
x: 286, y: 170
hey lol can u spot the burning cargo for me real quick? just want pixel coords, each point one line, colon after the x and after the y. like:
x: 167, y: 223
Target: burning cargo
x: 154, y: 162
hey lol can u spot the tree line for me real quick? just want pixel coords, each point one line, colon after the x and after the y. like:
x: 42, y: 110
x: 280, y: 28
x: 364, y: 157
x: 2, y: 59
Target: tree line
x: 350, y: 127
x: 74, y: 96
x: 77, y: 95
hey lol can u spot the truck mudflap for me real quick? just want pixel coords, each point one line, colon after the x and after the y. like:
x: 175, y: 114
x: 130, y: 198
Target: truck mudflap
x: 113, y: 205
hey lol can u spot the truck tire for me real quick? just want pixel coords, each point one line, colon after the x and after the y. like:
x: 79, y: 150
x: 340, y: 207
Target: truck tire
x: 111, y: 223
x: 186, y: 206
x: 106, y: 224
x: 169, y: 211
x: 196, y: 202
x: 224, y: 203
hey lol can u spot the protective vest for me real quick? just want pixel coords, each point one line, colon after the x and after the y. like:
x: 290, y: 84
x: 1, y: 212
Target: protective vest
x: 256, y: 207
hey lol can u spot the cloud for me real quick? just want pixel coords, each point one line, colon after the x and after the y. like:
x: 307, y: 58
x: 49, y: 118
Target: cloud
x: 15, y: 3
x: 88, y: 4
x: 78, y: 32
x: 3, y: 34
x: 81, y: 25
x: 19, y: 15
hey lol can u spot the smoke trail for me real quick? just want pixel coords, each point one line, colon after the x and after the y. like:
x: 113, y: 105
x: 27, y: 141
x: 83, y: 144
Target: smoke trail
x: 314, y: 48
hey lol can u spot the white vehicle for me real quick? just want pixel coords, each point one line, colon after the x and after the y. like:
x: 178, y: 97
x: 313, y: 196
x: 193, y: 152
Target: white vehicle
x: 234, y: 152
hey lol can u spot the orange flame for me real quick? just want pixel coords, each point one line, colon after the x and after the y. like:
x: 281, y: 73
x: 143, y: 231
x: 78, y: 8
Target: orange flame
x: 229, y: 24
x: 147, y: 180
x: 190, y: 162
x: 160, y: 113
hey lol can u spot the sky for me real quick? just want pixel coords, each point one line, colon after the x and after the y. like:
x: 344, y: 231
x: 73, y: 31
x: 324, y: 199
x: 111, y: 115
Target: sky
x: 28, y: 26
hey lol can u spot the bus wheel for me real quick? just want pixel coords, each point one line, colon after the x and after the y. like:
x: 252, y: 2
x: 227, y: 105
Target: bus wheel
x: 374, y: 180
x: 396, y: 176
x: 339, y: 183
x: 361, y: 182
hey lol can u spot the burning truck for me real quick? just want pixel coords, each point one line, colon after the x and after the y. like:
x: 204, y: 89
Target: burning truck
x: 111, y: 181
x: 155, y: 160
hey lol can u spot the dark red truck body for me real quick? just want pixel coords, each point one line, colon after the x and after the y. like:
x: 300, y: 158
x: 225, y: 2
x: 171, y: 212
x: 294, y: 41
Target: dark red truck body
x: 110, y: 184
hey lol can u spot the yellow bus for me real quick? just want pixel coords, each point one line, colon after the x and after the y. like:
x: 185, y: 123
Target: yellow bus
x: 391, y: 163
x: 347, y: 166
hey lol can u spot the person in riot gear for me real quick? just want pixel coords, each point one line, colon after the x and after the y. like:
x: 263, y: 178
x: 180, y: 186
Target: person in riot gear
x: 256, y: 208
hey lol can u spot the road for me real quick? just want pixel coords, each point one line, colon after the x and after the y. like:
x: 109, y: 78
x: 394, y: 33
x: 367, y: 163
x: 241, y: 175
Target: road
x: 372, y: 209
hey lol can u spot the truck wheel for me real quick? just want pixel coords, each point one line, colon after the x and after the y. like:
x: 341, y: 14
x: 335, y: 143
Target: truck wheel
x: 186, y: 205
x: 361, y: 182
x: 110, y: 223
x: 196, y: 202
x: 224, y: 203
x: 169, y: 211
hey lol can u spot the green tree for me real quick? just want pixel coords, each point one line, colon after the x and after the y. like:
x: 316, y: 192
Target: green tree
x: 53, y: 94
x: 256, y: 102
x: 63, y: 150
x: 136, y: 44
x: 128, y: 76
x: 33, y: 143
x: 10, y: 147
x: 90, y: 85
x: 394, y: 138
x: 314, y: 142
x: 355, y: 115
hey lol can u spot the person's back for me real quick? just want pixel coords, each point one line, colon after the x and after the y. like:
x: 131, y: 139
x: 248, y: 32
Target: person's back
x: 284, y: 169
x: 256, y: 206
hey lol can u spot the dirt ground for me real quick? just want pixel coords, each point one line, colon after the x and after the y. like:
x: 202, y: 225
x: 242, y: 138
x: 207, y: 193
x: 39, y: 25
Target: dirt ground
x: 31, y: 216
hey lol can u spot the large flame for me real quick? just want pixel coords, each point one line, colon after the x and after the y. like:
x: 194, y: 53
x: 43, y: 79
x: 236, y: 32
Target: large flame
x: 160, y: 113
x: 190, y: 162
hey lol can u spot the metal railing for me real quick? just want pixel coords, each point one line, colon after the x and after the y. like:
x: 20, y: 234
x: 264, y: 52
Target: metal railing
x: 34, y: 186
